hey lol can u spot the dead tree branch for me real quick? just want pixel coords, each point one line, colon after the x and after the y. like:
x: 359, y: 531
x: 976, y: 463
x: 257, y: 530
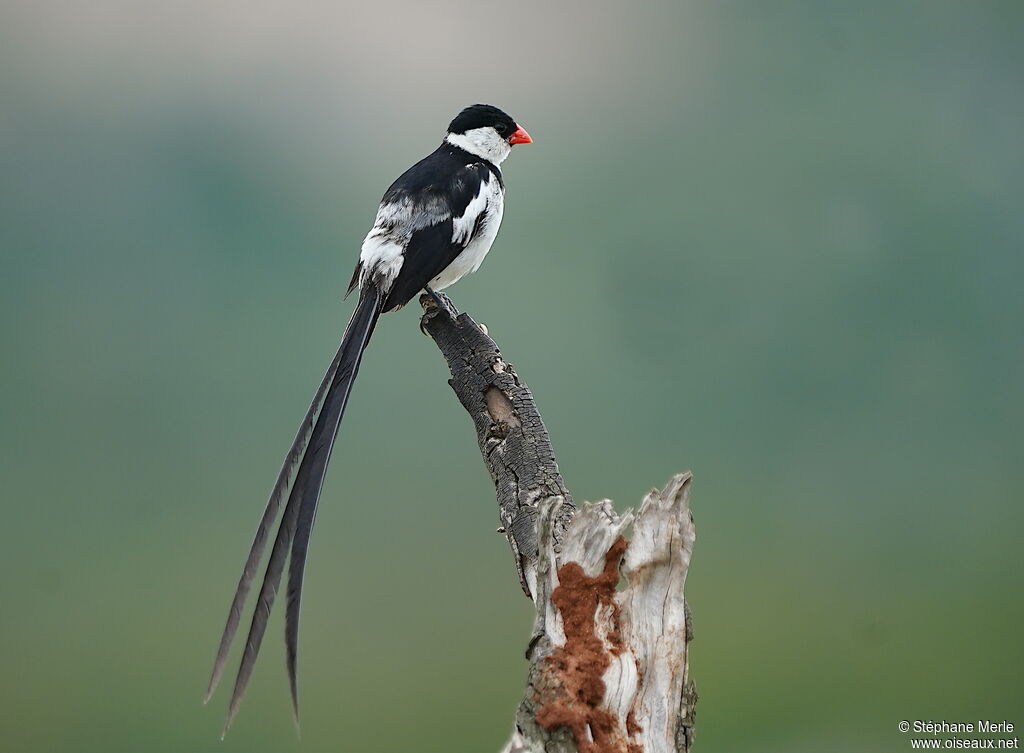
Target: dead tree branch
x: 609, y: 666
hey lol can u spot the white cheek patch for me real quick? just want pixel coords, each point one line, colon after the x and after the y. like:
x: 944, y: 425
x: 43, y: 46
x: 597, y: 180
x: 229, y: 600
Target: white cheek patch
x: 482, y: 142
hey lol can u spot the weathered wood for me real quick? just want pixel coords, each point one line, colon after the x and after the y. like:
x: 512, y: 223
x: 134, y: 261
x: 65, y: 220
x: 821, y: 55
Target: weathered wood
x: 609, y: 668
x: 509, y: 430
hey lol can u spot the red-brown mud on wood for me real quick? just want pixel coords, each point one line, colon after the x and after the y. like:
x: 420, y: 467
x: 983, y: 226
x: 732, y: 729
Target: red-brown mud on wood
x: 573, y: 689
x: 632, y: 725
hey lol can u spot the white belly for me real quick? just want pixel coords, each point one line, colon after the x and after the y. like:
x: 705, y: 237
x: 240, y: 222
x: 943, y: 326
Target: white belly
x: 473, y: 255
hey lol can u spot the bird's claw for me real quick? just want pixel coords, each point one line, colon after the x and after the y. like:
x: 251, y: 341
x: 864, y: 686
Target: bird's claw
x: 435, y: 295
x: 434, y: 303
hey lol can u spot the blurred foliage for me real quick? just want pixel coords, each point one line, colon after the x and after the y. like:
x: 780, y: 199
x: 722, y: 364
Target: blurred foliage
x: 779, y: 244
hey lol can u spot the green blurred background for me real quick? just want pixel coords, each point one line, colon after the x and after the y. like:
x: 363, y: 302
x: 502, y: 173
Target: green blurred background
x: 778, y: 243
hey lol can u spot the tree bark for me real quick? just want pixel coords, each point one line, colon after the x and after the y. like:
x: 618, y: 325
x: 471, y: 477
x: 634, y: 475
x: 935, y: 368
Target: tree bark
x: 609, y: 666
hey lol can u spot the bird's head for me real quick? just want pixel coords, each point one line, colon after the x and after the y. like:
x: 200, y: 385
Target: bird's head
x: 487, y: 132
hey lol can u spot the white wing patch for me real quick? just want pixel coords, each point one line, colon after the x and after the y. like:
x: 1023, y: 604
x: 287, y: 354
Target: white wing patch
x: 462, y: 227
x: 381, y: 253
x: 382, y: 257
x: 489, y: 200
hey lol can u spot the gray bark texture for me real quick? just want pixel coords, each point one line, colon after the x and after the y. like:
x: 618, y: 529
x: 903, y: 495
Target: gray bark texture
x: 608, y: 654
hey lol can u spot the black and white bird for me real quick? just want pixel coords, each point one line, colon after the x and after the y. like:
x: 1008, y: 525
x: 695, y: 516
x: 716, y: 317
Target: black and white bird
x: 434, y: 225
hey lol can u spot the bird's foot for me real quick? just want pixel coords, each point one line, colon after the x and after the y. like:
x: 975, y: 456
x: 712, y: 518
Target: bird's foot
x: 434, y: 303
x: 436, y: 296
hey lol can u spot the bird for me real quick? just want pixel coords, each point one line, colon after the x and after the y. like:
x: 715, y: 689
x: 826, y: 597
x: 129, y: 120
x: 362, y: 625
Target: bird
x: 434, y: 225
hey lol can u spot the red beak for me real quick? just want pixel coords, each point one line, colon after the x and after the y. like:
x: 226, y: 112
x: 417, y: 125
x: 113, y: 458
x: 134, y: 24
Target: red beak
x: 520, y: 136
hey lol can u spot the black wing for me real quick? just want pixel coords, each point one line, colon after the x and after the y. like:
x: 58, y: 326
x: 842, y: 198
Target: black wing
x: 420, y: 212
x: 434, y: 247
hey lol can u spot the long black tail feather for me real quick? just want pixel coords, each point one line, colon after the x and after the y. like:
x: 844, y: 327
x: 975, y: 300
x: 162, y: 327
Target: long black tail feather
x: 312, y: 445
x: 259, y: 542
x: 310, y: 478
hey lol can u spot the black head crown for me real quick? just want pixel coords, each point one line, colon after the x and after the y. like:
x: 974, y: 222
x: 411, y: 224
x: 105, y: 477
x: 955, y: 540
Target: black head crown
x: 481, y: 116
